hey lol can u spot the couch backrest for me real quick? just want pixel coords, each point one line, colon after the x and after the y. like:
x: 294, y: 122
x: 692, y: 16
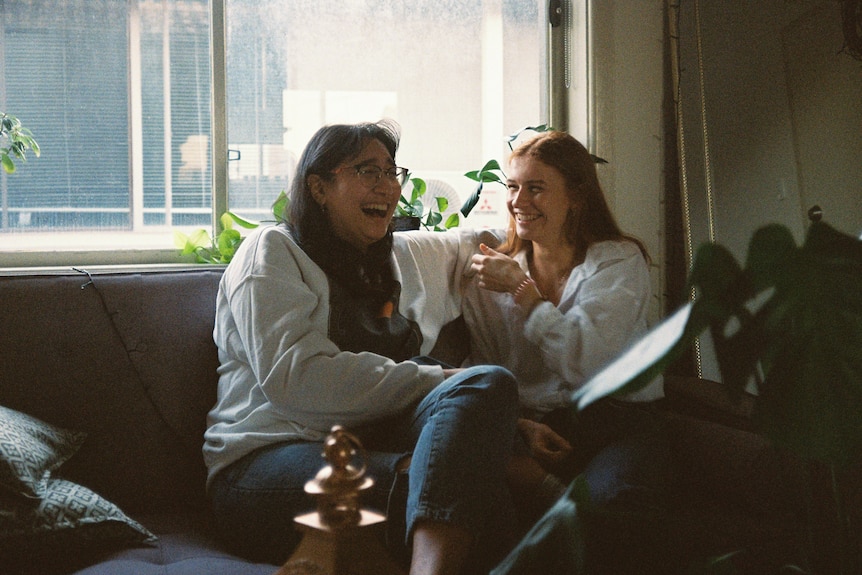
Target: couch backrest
x: 128, y: 358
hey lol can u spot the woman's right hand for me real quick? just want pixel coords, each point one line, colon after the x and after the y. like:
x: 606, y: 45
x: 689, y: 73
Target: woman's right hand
x: 496, y: 272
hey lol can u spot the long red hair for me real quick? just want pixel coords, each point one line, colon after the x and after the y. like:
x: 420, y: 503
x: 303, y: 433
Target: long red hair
x: 591, y: 221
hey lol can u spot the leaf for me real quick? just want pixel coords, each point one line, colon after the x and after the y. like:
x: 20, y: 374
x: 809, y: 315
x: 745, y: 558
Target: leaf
x: 200, y: 238
x: 432, y: 219
x: 516, y: 135
x: 554, y: 544
x: 7, y: 163
x: 228, y: 242
x: 811, y: 396
x: 226, y: 221
x: 641, y: 363
x: 442, y: 203
x: 770, y: 251
x: 490, y: 166
x: 453, y: 221
x: 232, y: 217
x: 417, y: 207
x: 419, y: 188
x: 279, y: 207
x: 487, y: 173
x: 181, y: 240
x: 471, y: 202
x: 474, y: 175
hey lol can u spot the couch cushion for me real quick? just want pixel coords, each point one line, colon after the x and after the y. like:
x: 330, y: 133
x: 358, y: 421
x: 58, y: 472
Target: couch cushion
x: 29, y: 450
x: 129, y: 359
x: 68, y: 520
x: 185, y: 546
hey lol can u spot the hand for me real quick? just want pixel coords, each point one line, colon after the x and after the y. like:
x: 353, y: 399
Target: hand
x: 496, y: 272
x: 546, y: 445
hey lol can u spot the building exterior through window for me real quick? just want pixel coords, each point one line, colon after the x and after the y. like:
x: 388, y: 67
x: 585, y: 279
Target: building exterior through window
x: 119, y: 95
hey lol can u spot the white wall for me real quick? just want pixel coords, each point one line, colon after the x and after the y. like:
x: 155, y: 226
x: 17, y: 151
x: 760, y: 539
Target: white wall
x: 628, y: 74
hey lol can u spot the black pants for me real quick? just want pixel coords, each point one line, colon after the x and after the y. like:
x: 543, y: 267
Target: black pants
x: 620, y: 446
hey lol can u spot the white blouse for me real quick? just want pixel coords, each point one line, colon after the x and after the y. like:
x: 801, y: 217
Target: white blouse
x: 603, y: 310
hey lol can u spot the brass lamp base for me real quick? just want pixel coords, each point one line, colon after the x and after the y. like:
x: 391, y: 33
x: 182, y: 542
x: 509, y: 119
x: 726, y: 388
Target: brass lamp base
x: 352, y: 550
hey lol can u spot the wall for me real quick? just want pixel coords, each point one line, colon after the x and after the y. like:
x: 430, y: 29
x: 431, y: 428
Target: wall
x: 771, y: 113
x: 627, y: 124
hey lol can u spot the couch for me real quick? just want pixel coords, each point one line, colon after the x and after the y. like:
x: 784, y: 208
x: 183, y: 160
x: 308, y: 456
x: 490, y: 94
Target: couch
x: 127, y: 359
x: 120, y: 366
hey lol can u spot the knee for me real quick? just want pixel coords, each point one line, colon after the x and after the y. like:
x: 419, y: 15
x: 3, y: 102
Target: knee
x: 634, y: 471
x: 497, y: 383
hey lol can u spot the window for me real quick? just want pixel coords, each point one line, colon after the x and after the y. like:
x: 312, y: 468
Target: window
x: 119, y: 96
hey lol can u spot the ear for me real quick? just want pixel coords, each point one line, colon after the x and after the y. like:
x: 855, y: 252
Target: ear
x: 316, y: 187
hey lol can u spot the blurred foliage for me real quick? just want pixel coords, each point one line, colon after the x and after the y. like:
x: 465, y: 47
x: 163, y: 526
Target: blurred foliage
x: 16, y: 140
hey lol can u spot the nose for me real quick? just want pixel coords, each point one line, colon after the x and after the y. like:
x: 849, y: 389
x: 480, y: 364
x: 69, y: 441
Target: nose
x: 386, y: 186
x: 515, y: 196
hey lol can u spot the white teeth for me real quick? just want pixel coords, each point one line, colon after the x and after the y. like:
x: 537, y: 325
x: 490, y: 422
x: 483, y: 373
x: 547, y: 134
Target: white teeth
x: 381, y: 207
x: 526, y: 217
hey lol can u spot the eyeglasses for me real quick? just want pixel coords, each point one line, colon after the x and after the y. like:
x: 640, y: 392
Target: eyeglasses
x: 370, y: 175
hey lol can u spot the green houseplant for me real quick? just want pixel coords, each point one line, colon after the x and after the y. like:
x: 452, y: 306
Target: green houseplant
x: 221, y: 247
x: 790, y: 321
x: 412, y: 211
x: 15, y: 140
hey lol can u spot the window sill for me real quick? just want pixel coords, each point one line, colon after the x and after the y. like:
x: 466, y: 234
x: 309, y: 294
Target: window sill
x: 65, y: 250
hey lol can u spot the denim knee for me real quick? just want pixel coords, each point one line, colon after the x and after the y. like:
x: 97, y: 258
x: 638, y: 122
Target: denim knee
x: 466, y: 436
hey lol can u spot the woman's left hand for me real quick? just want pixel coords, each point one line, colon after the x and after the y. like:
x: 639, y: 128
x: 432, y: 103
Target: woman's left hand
x: 546, y: 445
x: 496, y: 272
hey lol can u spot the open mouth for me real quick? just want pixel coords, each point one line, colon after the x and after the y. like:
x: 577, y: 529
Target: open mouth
x: 526, y: 217
x: 376, y: 210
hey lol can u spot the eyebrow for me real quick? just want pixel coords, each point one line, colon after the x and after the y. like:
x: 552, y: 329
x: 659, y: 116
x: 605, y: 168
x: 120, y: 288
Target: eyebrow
x: 370, y: 162
x: 528, y: 182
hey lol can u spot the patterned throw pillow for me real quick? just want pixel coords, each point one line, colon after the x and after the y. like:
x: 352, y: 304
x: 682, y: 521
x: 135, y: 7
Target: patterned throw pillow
x: 68, y: 517
x: 30, y: 449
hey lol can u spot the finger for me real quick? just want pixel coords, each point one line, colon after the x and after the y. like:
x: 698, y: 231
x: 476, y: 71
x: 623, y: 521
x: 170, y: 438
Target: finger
x: 487, y: 250
x: 562, y: 444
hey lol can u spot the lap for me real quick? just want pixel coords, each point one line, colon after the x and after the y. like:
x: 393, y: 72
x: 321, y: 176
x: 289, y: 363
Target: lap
x: 620, y: 447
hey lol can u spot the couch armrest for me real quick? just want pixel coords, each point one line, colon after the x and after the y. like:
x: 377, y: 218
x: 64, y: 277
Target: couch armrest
x: 709, y: 400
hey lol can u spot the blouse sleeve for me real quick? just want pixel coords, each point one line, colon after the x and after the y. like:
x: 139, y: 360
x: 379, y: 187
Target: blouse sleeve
x: 612, y: 291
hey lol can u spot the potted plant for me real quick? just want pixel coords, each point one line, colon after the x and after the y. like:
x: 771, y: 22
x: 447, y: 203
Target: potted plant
x: 220, y: 248
x: 789, y: 322
x: 411, y: 213
x: 16, y: 140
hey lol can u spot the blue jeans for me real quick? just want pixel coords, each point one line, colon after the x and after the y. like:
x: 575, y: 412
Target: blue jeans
x: 460, y: 437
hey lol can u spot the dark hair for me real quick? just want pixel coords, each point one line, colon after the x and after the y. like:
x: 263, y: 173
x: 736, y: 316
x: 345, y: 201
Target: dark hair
x: 592, y: 221
x: 328, y: 148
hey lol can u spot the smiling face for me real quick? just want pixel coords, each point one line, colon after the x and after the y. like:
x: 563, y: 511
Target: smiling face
x: 538, y: 200
x: 358, y: 214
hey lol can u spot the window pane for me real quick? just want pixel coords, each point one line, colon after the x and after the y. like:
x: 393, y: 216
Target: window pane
x: 118, y: 96
x: 457, y: 75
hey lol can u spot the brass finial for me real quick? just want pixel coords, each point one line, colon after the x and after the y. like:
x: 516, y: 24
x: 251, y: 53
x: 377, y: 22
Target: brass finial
x: 339, y: 537
x: 337, y: 485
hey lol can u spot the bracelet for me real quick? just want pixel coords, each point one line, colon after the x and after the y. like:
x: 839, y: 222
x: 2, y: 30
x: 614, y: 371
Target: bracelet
x: 520, y: 291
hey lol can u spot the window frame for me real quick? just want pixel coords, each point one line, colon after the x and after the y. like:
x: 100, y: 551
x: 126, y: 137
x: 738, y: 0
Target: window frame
x: 559, y: 98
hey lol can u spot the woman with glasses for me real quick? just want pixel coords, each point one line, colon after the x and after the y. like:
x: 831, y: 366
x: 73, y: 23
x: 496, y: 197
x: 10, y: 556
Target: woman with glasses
x: 317, y: 323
